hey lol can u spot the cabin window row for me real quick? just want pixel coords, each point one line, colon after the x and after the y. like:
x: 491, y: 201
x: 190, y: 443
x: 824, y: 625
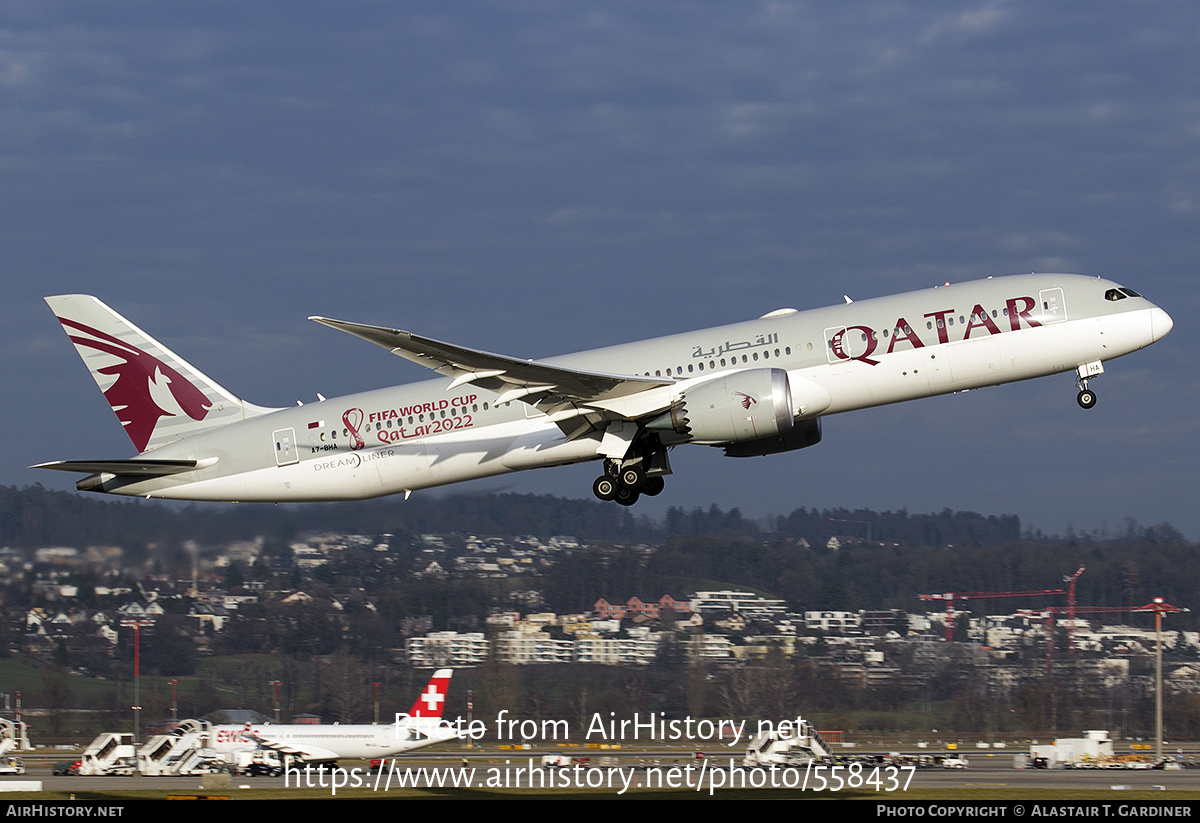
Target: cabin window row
x: 724, y: 362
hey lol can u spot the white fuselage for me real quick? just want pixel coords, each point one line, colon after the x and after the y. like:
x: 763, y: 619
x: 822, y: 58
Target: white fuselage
x: 349, y: 742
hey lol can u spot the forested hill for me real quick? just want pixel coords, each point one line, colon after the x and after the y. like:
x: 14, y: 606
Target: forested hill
x: 34, y: 516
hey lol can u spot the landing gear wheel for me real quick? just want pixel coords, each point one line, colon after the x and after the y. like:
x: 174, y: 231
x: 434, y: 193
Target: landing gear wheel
x: 653, y: 486
x: 1086, y: 399
x: 633, y: 478
x: 605, y: 488
x: 626, y: 496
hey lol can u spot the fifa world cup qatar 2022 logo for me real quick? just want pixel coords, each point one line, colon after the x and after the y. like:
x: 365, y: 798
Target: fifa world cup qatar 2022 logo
x: 353, y: 418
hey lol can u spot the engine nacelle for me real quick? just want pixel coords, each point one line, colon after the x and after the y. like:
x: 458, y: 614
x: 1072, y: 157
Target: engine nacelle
x: 805, y: 433
x: 743, y: 406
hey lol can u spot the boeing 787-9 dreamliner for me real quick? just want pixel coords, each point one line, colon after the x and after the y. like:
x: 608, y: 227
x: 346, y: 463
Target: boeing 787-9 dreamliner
x: 752, y: 388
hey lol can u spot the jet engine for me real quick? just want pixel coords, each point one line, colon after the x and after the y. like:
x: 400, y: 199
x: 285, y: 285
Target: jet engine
x: 805, y: 433
x: 743, y: 406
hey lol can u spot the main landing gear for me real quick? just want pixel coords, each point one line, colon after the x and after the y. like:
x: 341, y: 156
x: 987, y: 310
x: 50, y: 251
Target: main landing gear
x: 625, y: 481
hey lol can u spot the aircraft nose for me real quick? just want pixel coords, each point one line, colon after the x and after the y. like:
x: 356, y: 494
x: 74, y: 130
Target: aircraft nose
x: 1160, y: 324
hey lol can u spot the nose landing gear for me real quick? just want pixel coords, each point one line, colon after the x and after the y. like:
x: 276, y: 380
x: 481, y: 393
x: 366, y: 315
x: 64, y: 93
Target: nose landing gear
x: 1086, y: 397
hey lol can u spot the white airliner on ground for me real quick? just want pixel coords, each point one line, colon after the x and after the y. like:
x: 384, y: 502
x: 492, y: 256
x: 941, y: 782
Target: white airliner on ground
x: 325, y: 743
x: 752, y: 388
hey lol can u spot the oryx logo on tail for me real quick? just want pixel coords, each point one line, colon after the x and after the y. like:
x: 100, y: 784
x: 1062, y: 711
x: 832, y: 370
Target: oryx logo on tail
x: 144, y: 385
x: 156, y: 394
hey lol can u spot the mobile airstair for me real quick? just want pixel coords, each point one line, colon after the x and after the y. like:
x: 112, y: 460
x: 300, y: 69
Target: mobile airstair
x: 788, y: 744
x: 111, y: 753
x: 185, y: 750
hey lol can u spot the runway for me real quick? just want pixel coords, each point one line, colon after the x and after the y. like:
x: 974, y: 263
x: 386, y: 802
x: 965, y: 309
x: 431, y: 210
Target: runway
x: 627, y: 775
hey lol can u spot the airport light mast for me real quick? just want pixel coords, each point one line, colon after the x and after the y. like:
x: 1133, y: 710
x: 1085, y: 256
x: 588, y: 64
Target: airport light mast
x: 1159, y: 607
x: 137, y: 673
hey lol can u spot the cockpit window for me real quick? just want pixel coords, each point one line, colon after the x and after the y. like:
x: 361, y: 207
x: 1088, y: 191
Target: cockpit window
x: 1129, y: 292
x: 1114, y: 294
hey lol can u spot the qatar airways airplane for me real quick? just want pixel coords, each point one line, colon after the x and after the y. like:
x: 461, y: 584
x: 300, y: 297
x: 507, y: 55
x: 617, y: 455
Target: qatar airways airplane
x: 753, y: 388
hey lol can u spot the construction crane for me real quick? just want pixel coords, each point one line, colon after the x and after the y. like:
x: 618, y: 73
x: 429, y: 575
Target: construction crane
x: 1070, y: 579
x: 952, y: 597
x: 1049, y: 612
x: 1158, y: 607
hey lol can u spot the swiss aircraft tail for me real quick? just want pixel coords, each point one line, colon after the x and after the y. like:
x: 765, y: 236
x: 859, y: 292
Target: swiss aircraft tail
x: 157, y: 395
x: 432, y: 700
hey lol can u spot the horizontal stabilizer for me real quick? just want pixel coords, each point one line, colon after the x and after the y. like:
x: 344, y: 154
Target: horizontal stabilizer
x: 137, y: 467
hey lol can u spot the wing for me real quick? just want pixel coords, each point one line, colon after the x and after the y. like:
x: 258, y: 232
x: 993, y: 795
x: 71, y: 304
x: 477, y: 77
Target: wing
x: 308, y: 752
x: 575, y: 399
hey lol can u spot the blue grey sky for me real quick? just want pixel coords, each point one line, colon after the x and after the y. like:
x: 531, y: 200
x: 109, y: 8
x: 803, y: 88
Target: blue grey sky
x: 536, y: 178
